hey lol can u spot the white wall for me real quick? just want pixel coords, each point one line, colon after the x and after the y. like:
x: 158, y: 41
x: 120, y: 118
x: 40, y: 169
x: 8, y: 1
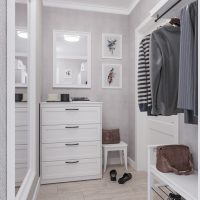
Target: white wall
x: 116, y: 101
x: 3, y: 85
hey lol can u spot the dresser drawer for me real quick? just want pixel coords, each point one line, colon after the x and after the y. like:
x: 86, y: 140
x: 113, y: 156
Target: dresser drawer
x: 70, y: 168
x: 71, y: 133
x: 20, y: 172
x: 21, y: 152
x: 75, y: 150
x: 71, y: 115
x: 21, y: 117
x: 21, y: 136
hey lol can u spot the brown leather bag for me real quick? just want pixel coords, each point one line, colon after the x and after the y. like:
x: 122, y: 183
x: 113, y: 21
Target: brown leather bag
x: 111, y: 136
x: 174, y: 158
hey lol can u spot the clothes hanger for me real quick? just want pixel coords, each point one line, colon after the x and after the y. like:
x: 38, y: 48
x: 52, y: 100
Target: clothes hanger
x: 175, y: 21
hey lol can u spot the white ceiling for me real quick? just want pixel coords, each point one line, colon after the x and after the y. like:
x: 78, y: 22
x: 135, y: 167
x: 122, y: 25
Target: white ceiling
x: 108, y: 6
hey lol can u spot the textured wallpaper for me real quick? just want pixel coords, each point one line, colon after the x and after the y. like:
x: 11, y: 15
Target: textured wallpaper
x: 2, y: 99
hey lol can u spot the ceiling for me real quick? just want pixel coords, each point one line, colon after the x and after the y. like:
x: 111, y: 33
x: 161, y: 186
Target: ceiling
x: 108, y: 6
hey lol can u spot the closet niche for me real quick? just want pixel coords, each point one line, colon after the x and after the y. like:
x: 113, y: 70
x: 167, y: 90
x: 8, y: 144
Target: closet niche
x: 21, y: 91
x: 71, y: 59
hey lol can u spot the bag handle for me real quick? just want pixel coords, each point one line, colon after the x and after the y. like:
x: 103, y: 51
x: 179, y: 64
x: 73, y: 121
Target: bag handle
x: 174, y: 170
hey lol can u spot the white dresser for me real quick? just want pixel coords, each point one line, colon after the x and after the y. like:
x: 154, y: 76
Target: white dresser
x: 71, y: 141
x: 21, y: 141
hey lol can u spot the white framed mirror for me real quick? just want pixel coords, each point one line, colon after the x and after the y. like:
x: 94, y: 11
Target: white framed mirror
x: 71, y: 59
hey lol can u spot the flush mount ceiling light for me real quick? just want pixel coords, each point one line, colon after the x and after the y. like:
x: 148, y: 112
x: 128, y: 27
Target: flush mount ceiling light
x: 22, y: 34
x: 72, y: 38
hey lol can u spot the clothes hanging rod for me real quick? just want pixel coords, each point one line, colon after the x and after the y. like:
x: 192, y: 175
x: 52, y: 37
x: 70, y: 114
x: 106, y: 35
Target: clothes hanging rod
x: 160, y: 16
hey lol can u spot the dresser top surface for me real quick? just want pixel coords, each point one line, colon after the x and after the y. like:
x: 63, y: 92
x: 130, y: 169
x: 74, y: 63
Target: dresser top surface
x: 44, y: 104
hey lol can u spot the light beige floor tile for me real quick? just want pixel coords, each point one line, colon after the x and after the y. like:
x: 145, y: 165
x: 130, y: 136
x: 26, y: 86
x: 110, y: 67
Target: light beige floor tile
x: 135, y: 189
x: 71, y: 196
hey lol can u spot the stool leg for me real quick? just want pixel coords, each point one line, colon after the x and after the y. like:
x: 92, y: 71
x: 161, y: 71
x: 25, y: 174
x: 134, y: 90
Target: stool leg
x: 125, y: 158
x: 105, y: 159
x: 121, y: 157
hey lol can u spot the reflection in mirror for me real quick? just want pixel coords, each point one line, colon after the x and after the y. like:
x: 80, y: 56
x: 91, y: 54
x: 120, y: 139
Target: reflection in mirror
x: 72, y: 59
x: 21, y: 90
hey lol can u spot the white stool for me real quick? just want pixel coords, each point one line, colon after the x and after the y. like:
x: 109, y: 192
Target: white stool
x: 121, y: 147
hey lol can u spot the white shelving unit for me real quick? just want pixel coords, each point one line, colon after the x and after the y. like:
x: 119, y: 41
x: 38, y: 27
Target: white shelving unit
x: 186, y: 186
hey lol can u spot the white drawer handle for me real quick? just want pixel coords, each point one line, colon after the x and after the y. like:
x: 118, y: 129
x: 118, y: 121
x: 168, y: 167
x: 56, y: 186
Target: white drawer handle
x: 71, y: 109
x: 72, y: 127
x: 74, y: 144
x: 73, y: 162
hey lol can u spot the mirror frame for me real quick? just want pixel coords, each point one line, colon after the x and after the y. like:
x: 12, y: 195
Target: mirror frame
x: 88, y: 35
x: 28, y: 181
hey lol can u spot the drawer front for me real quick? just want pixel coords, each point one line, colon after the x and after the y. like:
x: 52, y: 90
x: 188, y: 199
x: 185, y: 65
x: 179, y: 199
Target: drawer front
x: 75, y: 150
x: 20, y: 172
x: 21, y: 136
x: 70, y: 168
x: 21, y: 117
x: 70, y: 115
x: 21, y: 154
x: 71, y: 133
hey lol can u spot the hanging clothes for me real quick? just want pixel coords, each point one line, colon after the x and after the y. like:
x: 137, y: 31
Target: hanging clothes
x: 188, y: 73
x: 144, y: 87
x: 164, y: 68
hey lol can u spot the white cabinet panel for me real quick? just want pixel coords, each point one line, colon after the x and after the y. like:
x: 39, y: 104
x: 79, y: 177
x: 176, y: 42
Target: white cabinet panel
x: 70, y: 168
x: 70, y: 133
x: 21, y: 117
x: 69, y: 150
x: 21, y: 136
x: 70, y: 115
x: 21, y: 170
x: 21, y: 153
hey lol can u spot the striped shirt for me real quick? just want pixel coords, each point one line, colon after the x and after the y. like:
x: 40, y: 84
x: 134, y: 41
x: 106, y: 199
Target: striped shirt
x: 144, y: 85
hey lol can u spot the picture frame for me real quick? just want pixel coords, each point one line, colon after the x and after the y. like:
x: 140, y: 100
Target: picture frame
x: 111, y: 46
x: 111, y: 76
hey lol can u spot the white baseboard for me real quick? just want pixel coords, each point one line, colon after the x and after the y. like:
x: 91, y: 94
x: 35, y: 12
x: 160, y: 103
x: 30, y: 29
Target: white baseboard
x: 132, y: 163
x: 36, y: 190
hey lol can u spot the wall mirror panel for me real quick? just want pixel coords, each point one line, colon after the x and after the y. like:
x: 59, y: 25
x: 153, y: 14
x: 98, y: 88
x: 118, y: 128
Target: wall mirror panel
x: 21, y: 95
x: 72, y: 59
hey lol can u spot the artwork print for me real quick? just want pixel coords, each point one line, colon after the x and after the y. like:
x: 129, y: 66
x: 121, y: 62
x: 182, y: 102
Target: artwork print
x: 68, y: 73
x: 112, y: 46
x: 111, y: 76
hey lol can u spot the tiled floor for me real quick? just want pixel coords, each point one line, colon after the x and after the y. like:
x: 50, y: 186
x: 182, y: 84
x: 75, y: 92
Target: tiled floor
x: 98, y: 189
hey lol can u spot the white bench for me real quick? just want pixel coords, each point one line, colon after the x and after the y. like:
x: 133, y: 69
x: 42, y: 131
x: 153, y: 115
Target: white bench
x: 121, y: 147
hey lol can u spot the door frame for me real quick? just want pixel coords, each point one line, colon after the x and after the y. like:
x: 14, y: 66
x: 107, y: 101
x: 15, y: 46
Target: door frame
x: 10, y: 99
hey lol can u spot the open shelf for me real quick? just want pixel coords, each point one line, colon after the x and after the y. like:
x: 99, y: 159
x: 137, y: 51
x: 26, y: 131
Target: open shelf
x: 21, y: 54
x: 72, y: 57
x: 185, y: 185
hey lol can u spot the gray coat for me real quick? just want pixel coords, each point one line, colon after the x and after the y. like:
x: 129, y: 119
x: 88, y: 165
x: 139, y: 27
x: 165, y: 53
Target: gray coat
x: 188, y: 74
x: 164, y: 69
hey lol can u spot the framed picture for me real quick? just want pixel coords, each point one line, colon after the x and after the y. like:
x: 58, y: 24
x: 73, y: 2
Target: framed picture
x: 68, y: 73
x: 112, y: 76
x: 111, y: 46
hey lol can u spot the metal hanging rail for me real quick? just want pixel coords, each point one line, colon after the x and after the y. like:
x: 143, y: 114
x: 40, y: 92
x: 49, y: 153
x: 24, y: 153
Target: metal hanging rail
x: 160, y: 16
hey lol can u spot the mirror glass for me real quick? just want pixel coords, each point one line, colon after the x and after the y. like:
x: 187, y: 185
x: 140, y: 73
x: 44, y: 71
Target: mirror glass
x: 72, y: 59
x: 21, y: 94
